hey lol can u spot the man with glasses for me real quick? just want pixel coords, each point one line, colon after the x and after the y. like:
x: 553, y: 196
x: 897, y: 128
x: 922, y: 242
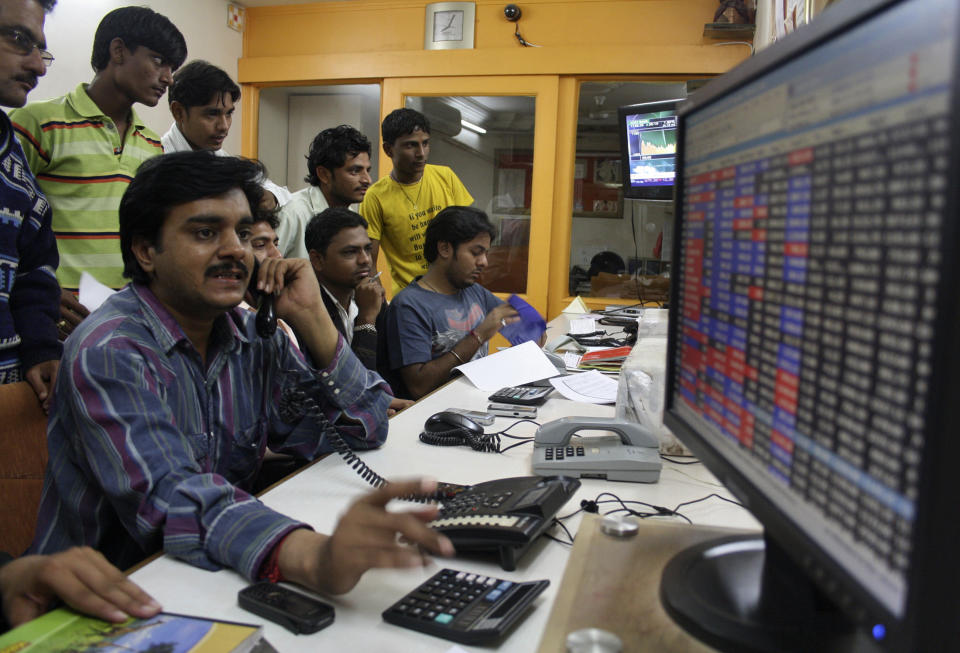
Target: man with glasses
x: 29, y: 294
x: 29, y: 300
x: 86, y: 146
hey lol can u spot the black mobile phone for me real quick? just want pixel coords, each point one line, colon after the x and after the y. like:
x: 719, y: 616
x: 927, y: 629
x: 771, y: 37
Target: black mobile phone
x: 266, y: 320
x: 294, y: 611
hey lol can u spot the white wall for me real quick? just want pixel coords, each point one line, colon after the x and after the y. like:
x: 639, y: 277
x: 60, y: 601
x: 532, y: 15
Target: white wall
x: 70, y: 28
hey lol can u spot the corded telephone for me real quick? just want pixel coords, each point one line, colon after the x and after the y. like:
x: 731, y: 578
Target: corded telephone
x: 505, y: 515
x: 266, y: 320
x: 449, y: 429
x: 631, y: 455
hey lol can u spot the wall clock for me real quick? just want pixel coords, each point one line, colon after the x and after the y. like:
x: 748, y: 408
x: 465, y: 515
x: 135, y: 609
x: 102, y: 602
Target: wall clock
x: 449, y: 25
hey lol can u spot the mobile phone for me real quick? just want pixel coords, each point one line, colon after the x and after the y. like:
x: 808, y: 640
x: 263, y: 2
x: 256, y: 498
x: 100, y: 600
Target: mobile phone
x: 478, y: 416
x: 294, y: 611
x: 513, y: 410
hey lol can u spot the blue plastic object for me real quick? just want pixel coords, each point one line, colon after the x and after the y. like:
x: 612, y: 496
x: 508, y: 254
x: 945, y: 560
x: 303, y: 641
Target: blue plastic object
x: 530, y: 327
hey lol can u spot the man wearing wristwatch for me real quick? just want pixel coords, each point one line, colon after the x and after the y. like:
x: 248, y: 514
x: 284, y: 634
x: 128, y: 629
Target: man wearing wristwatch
x: 445, y: 318
x: 340, y: 254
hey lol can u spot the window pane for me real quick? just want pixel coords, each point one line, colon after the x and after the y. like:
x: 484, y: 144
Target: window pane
x: 496, y: 167
x: 620, y: 248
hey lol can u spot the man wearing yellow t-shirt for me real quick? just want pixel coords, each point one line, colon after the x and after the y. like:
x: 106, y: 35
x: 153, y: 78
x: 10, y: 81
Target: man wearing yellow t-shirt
x: 399, y: 206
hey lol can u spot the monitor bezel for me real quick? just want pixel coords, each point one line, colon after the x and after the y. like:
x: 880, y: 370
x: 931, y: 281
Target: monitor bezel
x: 934, y: 571
x: 664, y: 192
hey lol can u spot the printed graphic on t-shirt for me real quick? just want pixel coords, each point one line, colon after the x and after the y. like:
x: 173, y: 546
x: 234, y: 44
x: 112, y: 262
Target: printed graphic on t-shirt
x: 459, y: 322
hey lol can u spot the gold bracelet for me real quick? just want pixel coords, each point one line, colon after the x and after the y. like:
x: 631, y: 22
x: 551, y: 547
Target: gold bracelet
x: 476, y: 335
x: 457, y: 356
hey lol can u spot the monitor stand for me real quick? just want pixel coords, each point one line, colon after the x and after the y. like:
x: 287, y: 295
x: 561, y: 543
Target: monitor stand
x: 743, y: 594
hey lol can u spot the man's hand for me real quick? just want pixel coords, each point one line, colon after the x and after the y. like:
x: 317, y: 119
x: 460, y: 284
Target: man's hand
x: 396, y: 405
x: 365, y: 537
x: 496, y: 319
x: 81, y: 577
x: 41, y: 378
x: 72, y: 313
x: 369, y: 295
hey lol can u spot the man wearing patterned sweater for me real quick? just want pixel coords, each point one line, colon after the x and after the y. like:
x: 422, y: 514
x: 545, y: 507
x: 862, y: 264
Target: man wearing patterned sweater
x: 86, y: 146
x: 29, y: 294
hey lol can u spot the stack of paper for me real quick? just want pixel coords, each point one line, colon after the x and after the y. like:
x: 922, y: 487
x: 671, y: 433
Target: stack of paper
x: 605, y: 360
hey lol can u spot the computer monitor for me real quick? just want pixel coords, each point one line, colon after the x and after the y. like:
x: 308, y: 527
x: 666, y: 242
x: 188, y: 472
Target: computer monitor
x: 814, y: 357
x: 648, y: 145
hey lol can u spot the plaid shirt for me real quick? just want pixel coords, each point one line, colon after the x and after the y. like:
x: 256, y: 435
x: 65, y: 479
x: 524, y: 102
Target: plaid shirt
x: 149, y: 448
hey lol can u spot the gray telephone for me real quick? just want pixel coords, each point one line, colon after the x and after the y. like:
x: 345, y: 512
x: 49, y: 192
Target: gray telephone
x: 631, y: 455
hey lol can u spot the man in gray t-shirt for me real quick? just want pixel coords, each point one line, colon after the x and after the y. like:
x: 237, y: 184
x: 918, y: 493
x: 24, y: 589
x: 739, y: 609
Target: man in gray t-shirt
x: 444, y: 318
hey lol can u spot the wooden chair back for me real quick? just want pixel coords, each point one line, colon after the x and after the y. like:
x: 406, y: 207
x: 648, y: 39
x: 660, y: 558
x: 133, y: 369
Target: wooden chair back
x: 23, y: 458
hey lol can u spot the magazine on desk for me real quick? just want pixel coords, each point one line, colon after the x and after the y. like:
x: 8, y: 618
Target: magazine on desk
x: 66, y: 630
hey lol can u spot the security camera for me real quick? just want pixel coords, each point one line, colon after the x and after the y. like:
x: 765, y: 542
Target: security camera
x: 512, y: 13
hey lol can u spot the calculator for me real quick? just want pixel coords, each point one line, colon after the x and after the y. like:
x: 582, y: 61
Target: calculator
x: 524, y: 395
x: 464, y: 607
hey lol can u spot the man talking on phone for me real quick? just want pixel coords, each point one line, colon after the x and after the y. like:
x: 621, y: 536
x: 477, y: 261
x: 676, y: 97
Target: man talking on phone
x: 169, y: 397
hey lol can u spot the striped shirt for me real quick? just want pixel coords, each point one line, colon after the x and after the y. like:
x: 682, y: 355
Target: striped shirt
x: 83, y: 167
x: 151, y: 448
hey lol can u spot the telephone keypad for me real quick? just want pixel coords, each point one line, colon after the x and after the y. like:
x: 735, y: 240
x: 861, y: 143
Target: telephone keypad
x: 522, y: 395
x: 464, y: 607
x: 559, y: 453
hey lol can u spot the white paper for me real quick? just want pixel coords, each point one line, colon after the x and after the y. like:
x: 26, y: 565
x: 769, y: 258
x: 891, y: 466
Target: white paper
x: 582, y: 325
x: 514, y: 366
x: 576, y: 306
x: 92, y: 292
x: 589, y: 387
x: 455, y: 648
x: 572, y: 360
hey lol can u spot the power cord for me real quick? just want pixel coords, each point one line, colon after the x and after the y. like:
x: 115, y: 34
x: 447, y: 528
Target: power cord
x: 593, y: 506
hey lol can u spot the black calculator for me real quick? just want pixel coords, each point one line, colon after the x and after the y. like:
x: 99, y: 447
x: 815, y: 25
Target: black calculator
x: 464, y: 607
x: 524, y: 395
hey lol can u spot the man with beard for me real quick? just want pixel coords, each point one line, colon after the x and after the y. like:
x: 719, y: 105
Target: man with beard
x: 338, y: 171
x: 444, y: 318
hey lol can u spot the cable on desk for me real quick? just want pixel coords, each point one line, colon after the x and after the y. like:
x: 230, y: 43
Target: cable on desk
x: 557, y: 522
x: 709, y: 496
x: 672, y: 459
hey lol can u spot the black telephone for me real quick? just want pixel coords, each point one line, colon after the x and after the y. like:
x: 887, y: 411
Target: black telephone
x: 266, y: 320
x: 449, y: 429
x: 505, y: 515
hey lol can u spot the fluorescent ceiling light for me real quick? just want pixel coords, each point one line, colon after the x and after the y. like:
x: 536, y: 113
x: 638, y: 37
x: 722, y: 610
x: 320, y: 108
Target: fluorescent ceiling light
x: 472, y: 127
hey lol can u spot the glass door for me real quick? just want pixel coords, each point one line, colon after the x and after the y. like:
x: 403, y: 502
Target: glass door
x: 498, y: 136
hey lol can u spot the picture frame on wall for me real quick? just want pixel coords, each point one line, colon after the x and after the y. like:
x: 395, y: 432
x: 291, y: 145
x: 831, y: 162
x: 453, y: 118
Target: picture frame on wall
x: 449, y: 26
x: 607, y: 171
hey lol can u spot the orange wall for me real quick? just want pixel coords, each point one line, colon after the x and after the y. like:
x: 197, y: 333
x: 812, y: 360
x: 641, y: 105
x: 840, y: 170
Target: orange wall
x: 367, y: 39
x: 382, y: 42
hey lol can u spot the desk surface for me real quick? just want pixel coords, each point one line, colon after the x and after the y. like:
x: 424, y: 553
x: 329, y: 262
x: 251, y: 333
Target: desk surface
x: 320, y: 493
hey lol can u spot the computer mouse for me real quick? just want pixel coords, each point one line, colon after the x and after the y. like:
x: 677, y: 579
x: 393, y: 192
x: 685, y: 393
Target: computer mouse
x: 450, y: 421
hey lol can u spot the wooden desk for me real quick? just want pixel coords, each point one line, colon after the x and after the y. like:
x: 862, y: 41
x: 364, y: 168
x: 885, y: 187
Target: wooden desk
x: 613, y: 584
x: 320, y: 493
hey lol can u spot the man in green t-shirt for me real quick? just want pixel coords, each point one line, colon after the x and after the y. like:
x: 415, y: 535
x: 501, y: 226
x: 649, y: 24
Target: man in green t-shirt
x: 85, y: 147
x: 399, y: 206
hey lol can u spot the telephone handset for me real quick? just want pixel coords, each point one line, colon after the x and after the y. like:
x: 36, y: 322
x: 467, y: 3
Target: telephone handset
x: 265, y: 305
x: 631, y: 455
x: 449, y: 429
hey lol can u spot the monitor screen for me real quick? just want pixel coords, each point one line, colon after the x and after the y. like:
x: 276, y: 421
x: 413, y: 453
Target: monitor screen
x: 648, y: 147
x: 813, y: 321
